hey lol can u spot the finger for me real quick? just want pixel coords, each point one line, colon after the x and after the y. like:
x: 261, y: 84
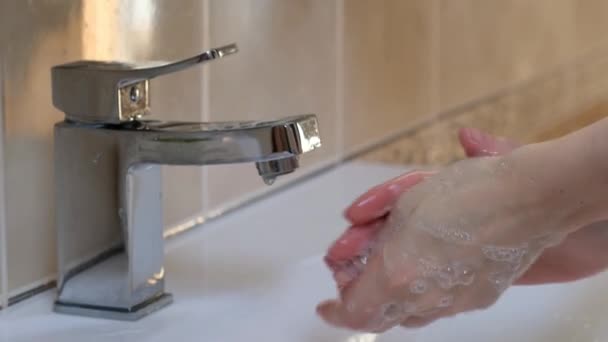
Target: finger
x: 338, y: 314
x: 378, y: 201
x: 354, y: 241
x: 443, y: 305
x: 366, y: 304
x: 358, y: 308
x: 478, y: 144
x: 347, y: 256
x: 419, y: 322
x: 544, y: 271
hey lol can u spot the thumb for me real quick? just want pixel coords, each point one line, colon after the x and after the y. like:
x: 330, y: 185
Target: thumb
x: 480, y: 144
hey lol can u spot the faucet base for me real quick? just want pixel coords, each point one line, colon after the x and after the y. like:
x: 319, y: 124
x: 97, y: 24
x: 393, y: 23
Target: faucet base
x: 133, y: 314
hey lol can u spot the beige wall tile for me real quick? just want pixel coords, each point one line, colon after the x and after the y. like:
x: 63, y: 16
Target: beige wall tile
x: 3, y: 295
x: 172, y: 101
x: 286, y: 66
x: 486, y: 45
x: 3, y: 270
x: 591, y: 23
x: 535, y: 111
x: 48, y: 34
x: 157, y: 30
x: 177, y: 97
x: 59, y: 31
x: 387, y: 67
x: 2, y: 230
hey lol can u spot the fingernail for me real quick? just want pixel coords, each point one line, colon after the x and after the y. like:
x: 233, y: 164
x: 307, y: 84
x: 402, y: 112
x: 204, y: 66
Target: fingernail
x: 475, y: 135
x: 397, y: 186
x: 343, y: 277
x: 354, y: 212
x: 366, y: 201
x: 332, y: 264
x: 326, y: 311
x: 322, y: 307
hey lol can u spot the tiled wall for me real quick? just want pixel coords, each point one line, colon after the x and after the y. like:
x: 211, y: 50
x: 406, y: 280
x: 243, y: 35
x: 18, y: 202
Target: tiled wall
x: 287, y: 66
x: 533, y: 78
x: 3, y: 267
x: 27, y: 126
x: 368, y: 69
x: 545, y: 108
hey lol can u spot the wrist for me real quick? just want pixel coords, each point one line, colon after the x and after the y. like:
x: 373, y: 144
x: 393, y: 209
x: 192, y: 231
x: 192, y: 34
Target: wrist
x: 560, y: 181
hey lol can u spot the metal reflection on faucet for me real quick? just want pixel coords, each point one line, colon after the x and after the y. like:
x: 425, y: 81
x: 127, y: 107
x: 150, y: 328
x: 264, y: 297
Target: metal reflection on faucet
x: 157, y: 276
x: 160, y: 275
x: 109, y: 211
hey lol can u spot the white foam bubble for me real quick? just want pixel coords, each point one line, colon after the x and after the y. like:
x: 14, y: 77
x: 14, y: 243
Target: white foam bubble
x: 363, y: 259
x: 512, y: 255
x: 427, y: 267
x: 448, y: 234
x: 447, y: 276
x: 418, y: 286
x: 392, y: 311
x: 445, y: 301
x: 551, y: 240
x: 409, y: 307
x: 500, y: 280
x: 428, y: 312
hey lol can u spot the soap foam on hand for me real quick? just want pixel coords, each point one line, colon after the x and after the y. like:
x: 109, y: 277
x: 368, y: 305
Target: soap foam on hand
x: 424, y: 261
x: 348, y: 255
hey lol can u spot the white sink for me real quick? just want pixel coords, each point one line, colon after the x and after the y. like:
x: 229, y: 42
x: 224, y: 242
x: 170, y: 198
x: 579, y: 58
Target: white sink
x: 257, y: 274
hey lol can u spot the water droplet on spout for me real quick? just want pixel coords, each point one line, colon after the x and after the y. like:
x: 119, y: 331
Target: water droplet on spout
x: 269, y: 180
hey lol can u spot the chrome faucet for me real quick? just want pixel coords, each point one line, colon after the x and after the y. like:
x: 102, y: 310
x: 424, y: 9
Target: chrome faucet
x: 108, y: 180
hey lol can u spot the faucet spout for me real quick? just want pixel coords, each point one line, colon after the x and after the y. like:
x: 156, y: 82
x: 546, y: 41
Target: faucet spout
x: 224, y: 143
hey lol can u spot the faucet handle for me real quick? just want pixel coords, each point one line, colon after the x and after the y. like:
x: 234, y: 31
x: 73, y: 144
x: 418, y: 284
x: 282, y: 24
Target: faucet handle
x: 115, y: 92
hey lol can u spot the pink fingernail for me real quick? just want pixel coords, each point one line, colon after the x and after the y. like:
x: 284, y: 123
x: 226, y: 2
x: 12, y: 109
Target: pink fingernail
x: 342, y: 278
x: 475, y: 136
x: 366, y: 201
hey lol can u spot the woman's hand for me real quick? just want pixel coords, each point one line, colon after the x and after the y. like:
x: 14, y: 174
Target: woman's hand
x: 582, y: 253
x: 368, y: 212
x: 442, y: 252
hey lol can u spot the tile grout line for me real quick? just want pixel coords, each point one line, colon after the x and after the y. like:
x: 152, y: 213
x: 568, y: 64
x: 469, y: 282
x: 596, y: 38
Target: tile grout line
x: 435, y: 50
x: 573, y: 79
x: 205, y: 106
x: 3, y: 244
x: 339, y: 85
x: 27, y: 291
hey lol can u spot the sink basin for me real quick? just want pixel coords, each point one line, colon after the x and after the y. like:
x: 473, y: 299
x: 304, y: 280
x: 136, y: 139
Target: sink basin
x: 257, y: 274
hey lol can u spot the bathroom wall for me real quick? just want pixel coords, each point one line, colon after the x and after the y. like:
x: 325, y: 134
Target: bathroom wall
x: 44, y: 33
x: 408, y: 72
x: 3, y: 277
x: 35, y: 37
x: 286, y: 65
x: 520, y: 69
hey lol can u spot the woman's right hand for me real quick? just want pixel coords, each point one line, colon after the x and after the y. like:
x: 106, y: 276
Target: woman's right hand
x: 580, y: 255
